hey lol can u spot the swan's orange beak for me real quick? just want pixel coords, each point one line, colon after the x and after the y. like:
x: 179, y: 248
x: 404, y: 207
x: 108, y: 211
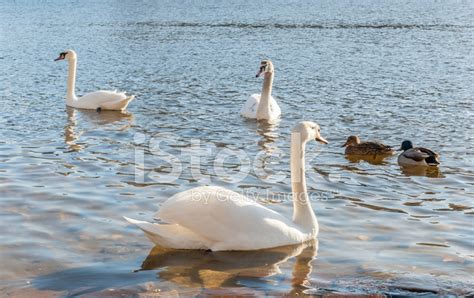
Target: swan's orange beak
x: 321, y: 140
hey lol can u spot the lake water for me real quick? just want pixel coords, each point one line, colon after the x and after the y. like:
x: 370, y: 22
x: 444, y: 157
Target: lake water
x: 385, y: 70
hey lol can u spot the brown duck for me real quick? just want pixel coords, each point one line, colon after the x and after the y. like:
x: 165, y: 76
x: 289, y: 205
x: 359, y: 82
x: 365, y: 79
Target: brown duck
x: 355, y: 147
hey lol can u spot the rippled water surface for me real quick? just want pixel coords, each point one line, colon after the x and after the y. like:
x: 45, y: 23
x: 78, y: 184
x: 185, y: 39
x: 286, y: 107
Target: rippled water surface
x: 386, y: 70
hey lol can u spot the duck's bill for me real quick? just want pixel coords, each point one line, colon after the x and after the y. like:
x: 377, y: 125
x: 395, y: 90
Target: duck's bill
x: 345, y: 144
x: 321, y: 140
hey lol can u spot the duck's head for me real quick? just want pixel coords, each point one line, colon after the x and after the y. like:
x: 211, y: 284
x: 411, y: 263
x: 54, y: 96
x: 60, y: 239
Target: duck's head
x: 266, y: 66
x: 406, y: 145
x: 308, y: 131
x: 66, y: 55
x: 351, y: 140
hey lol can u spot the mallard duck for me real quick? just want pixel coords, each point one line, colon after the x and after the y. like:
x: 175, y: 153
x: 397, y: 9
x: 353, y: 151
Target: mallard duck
x: 417, y: 156
x: 355, y: 147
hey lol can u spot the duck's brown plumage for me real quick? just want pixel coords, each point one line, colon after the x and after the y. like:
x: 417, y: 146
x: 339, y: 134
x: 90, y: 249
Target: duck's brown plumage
x: 355, y: 147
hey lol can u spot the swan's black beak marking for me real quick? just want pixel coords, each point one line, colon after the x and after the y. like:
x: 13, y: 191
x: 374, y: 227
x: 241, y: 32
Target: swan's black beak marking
x: 62, y: 56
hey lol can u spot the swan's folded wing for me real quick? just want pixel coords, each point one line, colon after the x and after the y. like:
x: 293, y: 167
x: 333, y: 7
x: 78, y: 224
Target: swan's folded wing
x: 103, y: 96
x: 225, y: 216
x: 170, y: 235
x: 249, y: 110
x: 119, y: 104
x: 274, y: 108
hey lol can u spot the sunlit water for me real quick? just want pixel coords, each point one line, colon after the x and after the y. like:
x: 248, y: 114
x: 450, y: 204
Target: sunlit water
x: 386, y: 70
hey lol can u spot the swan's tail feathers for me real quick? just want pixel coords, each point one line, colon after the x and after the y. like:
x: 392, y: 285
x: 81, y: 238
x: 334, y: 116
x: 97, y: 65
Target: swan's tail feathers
x: 145, y: 226
x: 152, y: 231
x: 119, y: 104
x: 169, y: 235
x: 127, y: 100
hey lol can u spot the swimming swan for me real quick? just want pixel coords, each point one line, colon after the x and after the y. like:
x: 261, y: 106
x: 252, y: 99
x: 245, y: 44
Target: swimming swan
x: 98, y: 100
x: 263, y: 106
x: 219, y: 219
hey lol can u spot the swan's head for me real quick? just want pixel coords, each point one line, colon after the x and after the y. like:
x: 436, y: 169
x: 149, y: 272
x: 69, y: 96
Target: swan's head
x: 309, y: 131
x: 352, y: 140
x: 66, y: 55
x: 265, y: 66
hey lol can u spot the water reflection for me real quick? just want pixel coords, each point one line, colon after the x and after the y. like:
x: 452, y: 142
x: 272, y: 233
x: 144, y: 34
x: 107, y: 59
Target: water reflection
x: 188, y: 268
x: 268, y: 154
x: 372, y: 159
x: 72, y: 132
x: 70, y: 135
x: 431, y: 172
x: 268, y: 131
x: 198, y: 268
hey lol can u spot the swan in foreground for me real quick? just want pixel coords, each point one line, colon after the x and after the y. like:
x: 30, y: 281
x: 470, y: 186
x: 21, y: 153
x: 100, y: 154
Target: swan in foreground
x: 263, y: 106
x: 417, y: 156
x: 355, y: 147
x: 98, y: 100
x: 219, y: 219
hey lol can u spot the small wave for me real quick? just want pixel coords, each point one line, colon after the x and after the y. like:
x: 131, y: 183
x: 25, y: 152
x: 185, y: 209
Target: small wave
x: 309, y: 26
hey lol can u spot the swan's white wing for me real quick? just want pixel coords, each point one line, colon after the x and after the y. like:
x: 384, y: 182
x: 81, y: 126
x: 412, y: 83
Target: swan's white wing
x: 275, y: 110
x: 102, y: 96
x: 110, y: 100
x: 249, y: 110
x: 170, y: 235
x: 229, y: 220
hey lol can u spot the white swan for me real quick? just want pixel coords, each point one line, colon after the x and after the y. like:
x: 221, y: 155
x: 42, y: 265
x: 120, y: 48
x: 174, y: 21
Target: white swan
x: 263, y: 106
x: 98, y: 100
x: 219, y: 219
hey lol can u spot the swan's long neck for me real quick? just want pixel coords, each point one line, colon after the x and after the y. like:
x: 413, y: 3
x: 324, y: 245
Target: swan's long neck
x: 263, y: 110
x: 303, y: 214
x: 71, y: 81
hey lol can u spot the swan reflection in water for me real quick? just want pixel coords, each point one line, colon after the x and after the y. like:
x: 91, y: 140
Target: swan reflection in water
x: 430, y: 172
x: 269, y: 154
x: 194, y: 270
x: 72, y: 132
x: 268, y: 131
x: 206, y: 269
